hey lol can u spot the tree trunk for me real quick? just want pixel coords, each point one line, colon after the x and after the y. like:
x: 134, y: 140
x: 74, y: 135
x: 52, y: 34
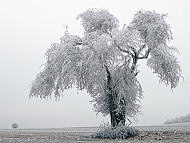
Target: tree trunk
x: 117, y: 117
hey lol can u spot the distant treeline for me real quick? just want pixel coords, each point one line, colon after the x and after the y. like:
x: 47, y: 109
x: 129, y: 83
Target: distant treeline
x: 180, y: 119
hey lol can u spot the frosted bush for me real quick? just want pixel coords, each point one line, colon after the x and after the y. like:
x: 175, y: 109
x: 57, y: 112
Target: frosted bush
x: 14, y: 125
x: 121, y: 132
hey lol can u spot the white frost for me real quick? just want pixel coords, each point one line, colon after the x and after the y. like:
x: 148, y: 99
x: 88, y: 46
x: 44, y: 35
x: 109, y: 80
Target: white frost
x: 106, y: 52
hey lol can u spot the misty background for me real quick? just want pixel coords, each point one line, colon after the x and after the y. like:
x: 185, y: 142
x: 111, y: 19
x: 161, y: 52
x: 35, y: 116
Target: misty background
x: 28, y: 28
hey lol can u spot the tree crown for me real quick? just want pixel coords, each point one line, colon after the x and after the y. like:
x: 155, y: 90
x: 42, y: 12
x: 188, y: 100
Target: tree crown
x: 105, y: 59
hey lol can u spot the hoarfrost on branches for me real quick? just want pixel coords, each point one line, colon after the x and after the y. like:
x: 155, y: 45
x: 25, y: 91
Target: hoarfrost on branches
x: 165, y: 65
x: 104, y: 61
x: 98, y: 20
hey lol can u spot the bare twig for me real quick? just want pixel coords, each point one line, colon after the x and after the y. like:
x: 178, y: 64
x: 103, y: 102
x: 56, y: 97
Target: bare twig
x: 129, y: 122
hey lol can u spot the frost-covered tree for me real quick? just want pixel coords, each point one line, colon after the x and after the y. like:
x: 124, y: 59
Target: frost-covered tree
x: 104, y: 61
x: 14, y: 125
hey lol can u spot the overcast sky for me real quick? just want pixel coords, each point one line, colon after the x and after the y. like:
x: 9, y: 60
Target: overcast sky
x: 27, y: 29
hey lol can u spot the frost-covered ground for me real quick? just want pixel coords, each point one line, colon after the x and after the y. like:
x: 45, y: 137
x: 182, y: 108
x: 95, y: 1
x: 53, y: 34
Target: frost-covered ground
x: 158, y: 134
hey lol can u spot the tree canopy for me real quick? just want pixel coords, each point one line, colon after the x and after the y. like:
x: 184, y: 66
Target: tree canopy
x: 104, y: 60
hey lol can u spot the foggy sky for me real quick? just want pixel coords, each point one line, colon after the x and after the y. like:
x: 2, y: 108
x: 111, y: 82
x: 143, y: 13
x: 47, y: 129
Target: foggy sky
x: 28, y: 28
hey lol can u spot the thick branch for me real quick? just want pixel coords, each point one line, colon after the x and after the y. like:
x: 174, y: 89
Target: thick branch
x: 79, y: 43
x: 127, y: 51
x: 146, y: 54
x: 134, y: 56
x: 122, y: 50
x: 135, y: 59
x: 110, y: 97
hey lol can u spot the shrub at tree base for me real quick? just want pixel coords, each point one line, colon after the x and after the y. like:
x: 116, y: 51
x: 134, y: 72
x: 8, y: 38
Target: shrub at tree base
x: 121, y: 132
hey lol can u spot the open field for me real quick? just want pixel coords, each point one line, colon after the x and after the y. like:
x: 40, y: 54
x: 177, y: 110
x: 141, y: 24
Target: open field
x: 148, y: 134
